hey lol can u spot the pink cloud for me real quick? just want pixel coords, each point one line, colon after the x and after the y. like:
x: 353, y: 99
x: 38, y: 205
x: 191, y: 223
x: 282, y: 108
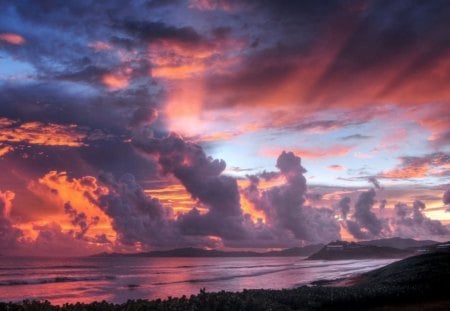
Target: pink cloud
x: 100, y: 46
x: 12, y: 38
x: 336, y: 167
x: 317, y: 153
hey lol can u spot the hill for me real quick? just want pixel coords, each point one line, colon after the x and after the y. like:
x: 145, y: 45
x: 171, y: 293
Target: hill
x: 399, y: 243
x: 198, y: 252
x: 341, y: 250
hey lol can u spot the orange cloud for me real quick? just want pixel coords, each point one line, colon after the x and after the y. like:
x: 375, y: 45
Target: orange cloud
x: 6, y: 198
x: 176, y: 197
x: 174, y: 60
x: 409, y: 171
x: 334, y: 151
x: 184, y: 68
x: 115, y: 81
x: 250, y: 209
x: 5, y: 149
x: 247, y: 206
x: 57, y: 189
x: 12, y: 38
x: 416, y: 167
x: 37, y: 133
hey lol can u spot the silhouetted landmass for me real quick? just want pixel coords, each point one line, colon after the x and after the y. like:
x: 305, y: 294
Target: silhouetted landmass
x: 382, y: 248
x: 341, y: 250
x: 399, y: 243
x: 197, y: 252
x: 295, y: 251
x: 414, y: 283
x: 432, y: 248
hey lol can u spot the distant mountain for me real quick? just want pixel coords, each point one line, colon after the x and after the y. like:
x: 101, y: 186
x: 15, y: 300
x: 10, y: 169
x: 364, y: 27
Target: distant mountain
x: 195, y: 252
x: 399, y: 243
x: 341, y: 250
x: 438, y: 247
x: 295, y: 251
x: 198, y: 252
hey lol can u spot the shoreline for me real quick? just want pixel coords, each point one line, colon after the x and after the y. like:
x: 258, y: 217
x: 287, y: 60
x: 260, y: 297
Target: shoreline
x: 415, y: 283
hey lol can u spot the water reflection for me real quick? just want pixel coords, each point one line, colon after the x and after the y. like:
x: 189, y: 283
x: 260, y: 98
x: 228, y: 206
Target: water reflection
x: 119, y: 279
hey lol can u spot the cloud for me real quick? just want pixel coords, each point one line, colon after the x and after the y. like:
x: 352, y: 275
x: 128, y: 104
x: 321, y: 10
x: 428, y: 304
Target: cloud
x: 416, y: 167
x: 136, y: 217
x: 9, y: 235
x: 202, y: 178
x: 333, y: 151
x: 74, y: 205
x: 151, y: 31
x: 284, y: 205
x: 356, y: 137
x: 5, y: 149
x: 99, y: 46
x: 12, y: 38
x: 50, y: 237
x: 80, y: 220
x: 53, y: 239
x: 364, y: 223
x: 37, y: 133
x: 335, y: 167
x: 115, y: 81
x: 410, y: 222
x: 383, y: 204
x: 446, y: 198
x: 374, y: 181
x: 344, y: 206
x: 211, y: 5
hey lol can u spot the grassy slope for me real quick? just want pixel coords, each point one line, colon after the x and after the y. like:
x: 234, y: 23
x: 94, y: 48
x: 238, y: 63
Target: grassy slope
x: 416, y: 281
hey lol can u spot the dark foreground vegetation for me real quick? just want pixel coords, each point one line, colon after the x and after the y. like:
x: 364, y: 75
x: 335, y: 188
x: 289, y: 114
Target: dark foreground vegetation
x: 416, y: 283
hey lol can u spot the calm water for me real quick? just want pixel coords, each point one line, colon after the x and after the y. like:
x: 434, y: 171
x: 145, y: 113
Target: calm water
x: 120, y: 279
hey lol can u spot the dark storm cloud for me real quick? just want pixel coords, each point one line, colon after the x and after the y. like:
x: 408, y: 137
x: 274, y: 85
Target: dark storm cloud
x: 382, y: 205
x: 284, y: 205
x: 202, y: 177
x: 344, y: 206
x: 446, y: 199
x: 103, y: 118
x: 150, y: 31
x: 374, y: 181
x: 288, y: 218
x: 364, y: 223
x: 143, y: 116
x: 71, y: 46
x: 387, y: 32
x: 411, y: 222
x: 62, y: 40
x: 137, y: 217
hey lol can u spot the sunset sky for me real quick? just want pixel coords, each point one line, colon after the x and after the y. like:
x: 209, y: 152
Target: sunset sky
x: 133, y: 126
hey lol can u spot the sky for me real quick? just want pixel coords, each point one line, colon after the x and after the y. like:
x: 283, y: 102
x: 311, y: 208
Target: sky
x: 140, y: 125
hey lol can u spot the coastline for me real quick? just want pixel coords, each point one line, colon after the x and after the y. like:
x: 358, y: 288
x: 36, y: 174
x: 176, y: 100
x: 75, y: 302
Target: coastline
x: 415, y: 283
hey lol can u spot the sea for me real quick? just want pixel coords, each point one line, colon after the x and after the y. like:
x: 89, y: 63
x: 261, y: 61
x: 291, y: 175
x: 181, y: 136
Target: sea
x: 118, y: 279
